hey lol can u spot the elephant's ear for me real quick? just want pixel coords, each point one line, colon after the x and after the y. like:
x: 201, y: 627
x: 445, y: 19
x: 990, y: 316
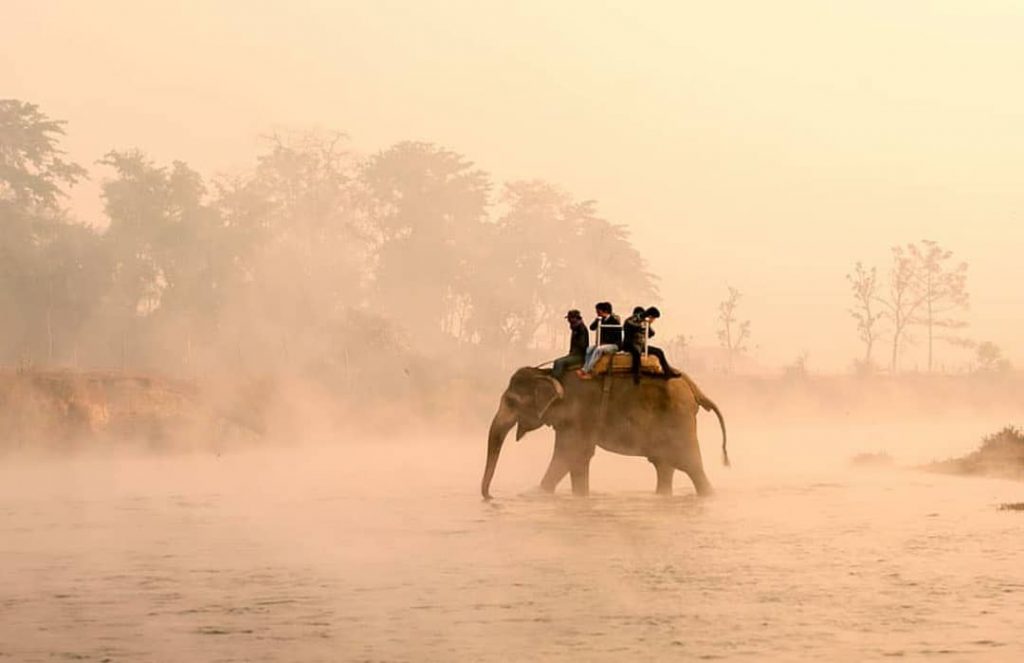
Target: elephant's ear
x: 545, y: 392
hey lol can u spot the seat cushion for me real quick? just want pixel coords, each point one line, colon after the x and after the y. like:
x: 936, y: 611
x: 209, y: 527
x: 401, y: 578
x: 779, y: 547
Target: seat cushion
x: 622, y: 362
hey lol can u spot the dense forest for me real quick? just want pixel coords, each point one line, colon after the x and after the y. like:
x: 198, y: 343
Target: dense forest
x: 315, y: 261
x: 319, y: 261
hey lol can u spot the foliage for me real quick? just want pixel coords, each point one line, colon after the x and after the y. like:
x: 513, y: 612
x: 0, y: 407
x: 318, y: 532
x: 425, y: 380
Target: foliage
x: 33, y: 170
x: 1000, y: 454
x: 990, y: 358
x: 308, y: 262
x: 43, y: 259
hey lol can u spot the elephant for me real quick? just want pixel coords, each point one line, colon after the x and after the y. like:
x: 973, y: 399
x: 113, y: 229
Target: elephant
x: 655, y: 419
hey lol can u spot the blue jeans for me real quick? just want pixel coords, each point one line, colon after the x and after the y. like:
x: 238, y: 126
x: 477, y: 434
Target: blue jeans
x: 594, y: 354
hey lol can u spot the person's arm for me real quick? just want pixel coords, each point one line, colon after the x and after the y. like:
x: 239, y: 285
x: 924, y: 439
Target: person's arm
x: 593, y: 325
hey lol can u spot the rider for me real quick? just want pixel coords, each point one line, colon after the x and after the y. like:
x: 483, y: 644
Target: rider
x: 635, y: 338
x: 577, y: 344
x: 609, y: 341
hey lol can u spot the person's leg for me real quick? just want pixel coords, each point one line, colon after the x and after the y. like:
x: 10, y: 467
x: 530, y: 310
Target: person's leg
x: 634, y: 352
x: 558, y: 368
x: 665, y: 368
x: 594, y: 354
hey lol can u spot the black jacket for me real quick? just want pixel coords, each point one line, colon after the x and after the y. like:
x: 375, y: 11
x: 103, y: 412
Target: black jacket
x: 580, y: 339
x: 633, y: 332
x: 609, y: 336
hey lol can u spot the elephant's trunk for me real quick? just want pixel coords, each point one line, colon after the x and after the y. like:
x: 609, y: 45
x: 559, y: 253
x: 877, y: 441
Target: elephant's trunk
x: 502, y: 423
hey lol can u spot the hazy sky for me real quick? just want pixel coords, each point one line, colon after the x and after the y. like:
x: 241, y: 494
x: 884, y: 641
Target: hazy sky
x: 768, y: 145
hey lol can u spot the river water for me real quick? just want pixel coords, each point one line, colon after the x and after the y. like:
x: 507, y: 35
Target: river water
x: 355, y: 550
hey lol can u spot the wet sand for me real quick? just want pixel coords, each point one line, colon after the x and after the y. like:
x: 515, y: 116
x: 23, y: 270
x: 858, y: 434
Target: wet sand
x: 370, y: 551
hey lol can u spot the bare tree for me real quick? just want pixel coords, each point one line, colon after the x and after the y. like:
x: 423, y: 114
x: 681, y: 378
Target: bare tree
x: 942, y: 288
x: 732, y: 332
x: 677, y: 346
x: 904, y: 300
x: 864, y: 284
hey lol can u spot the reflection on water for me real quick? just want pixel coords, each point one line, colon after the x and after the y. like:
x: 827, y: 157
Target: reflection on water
x: 351, y: 554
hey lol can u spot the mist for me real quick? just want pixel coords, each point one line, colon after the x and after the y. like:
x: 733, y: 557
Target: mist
x: 267, y: 273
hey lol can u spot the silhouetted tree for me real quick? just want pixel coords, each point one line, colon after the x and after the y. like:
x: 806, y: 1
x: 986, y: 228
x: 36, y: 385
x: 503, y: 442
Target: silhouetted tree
x: 35, y: 236
x: 545, y: 254
x: 923, y: 289
x: 990, y: 358
x: 301, y: 250
x: 165, y: 253
x: 33, y: 171
x: 903, y: 301
x: 427, y: 207
x: 941, y: 287
x: 677, y: 347
x: 733, y: 333
x: 864, y: 285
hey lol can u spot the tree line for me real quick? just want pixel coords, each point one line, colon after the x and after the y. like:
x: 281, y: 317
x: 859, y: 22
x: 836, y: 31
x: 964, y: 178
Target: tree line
x: 924, y: 290
x: 316, y: 257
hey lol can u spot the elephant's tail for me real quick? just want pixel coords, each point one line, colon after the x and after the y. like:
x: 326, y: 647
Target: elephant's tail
x: 709, y: 405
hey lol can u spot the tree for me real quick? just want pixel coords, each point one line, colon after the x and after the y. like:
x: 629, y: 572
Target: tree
x: 33, y: 171
x: 923, y: 290
x: 545, y: 254
x: 427, y: 206
x: 35, y: 235
x: 903, y: 301
x: 301, y: 250
x: 990, y: 358
x: 164, y: 247
x: 733, y: 333
x: 941, y: 288
x: 864, y: 285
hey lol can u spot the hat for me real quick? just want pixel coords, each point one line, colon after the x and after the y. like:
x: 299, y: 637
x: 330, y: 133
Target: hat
x: 574, y: 314
x: 652, y: 312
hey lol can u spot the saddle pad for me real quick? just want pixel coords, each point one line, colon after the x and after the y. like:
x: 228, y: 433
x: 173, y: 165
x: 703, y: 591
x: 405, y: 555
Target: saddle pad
x: 622, y: 362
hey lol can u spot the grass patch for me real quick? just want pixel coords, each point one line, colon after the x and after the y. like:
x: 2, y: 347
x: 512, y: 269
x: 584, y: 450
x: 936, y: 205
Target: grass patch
x: 1000, y: 455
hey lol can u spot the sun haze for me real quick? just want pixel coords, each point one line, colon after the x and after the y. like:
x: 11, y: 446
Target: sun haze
x: 768, y: 146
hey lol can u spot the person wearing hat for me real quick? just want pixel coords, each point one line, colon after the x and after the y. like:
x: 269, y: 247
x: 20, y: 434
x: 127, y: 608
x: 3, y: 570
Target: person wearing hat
x: 635, y: 337
x: 578, y: 344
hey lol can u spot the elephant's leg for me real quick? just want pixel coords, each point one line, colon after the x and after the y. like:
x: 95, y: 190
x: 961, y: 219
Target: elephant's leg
x: 666, y: 471
x: 570, y: 456
x: 694, y: 468
x: 580, y: 477
x: 573, y: 450
x: 557, y: 469
x: 700, y: 480
x: 686, y: 457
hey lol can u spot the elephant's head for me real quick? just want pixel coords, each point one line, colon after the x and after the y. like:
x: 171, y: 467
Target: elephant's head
x: 530, y: 394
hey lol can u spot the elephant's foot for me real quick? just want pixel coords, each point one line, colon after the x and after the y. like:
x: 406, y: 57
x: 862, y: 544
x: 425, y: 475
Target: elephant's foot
x: 703, y: 486
x: 666, y: 472
x: 580, y: 483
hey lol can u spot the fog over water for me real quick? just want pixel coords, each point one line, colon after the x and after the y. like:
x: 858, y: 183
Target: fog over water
x: 269, y: 273
x: 356, y: 550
